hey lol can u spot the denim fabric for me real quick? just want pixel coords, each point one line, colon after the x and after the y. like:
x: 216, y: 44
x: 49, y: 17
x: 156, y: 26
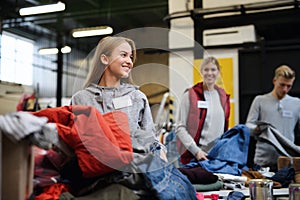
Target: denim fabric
x: 232, y: 146
x: 229, y: 154
x: 236, y: 195
x: 172, y: 152
x: 223, y: 167
x: 285, y: 176
x: 165, y: 180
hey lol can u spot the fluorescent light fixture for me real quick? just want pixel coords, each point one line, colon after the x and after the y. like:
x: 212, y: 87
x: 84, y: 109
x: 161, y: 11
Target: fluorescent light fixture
x: 91, y: 31
x: 59, y: 6
x: 47, y: 51
x: 65, y: 49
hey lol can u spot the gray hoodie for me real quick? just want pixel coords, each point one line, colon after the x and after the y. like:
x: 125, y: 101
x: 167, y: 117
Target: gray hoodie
x: 126, y: 97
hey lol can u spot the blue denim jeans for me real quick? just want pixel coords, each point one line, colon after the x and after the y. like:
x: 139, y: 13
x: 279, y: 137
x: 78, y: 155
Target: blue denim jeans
x: 233, y: 145
x: 229, y: 154
x: 172, y: 152
x: 165, y: 180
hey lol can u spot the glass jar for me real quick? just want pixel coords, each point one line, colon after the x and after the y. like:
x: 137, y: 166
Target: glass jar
x: 261, y: 189
x: 294, y: 191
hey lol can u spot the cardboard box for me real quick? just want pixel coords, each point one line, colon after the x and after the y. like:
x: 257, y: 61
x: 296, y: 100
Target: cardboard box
x: 17, y: 169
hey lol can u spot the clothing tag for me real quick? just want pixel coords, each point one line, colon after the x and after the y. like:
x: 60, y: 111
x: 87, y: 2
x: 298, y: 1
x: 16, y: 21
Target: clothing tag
x: 287, y: 113
x: 202, y: 104
x: 122, y: 102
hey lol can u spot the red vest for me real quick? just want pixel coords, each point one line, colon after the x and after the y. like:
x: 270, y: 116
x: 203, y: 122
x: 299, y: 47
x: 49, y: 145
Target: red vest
x: 197, y: 116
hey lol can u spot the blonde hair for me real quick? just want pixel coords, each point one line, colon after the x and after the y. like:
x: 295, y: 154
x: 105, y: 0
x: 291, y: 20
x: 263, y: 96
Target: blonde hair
x: 210, y: 59
x: 285, y: 72
x: 106, y: 46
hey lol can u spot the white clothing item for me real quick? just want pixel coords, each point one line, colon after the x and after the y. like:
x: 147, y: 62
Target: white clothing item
x: 181, y: 129
x: 214, y: 122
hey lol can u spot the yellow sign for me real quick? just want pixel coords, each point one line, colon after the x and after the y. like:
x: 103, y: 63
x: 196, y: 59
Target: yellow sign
x: 225, y: 80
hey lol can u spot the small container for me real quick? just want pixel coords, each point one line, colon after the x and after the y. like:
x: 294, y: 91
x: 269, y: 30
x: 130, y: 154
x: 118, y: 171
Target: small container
x: 294, y: 191
x: 261, y: 189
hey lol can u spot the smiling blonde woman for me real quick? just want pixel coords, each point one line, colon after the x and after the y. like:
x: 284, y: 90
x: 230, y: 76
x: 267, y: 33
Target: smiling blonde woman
x: 203, y: 114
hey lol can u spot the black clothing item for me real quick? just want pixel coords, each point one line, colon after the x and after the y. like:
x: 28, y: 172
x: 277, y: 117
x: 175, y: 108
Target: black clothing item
x: 198, y: 175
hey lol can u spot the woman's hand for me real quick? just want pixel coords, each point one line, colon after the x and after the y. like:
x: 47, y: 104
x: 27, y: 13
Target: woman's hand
x: 201, y: 155
x: 163, y: 155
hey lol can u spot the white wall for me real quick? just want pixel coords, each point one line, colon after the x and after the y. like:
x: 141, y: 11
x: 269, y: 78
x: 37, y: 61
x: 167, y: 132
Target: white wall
x: 181, y: 43
x: 10, y: 94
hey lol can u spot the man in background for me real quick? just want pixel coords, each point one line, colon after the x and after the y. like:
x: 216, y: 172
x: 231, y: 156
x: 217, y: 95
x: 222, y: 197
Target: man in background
x: 277, y: 109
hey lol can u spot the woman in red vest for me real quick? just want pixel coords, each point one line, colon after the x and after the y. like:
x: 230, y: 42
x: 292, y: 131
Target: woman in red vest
x: 203, y: 114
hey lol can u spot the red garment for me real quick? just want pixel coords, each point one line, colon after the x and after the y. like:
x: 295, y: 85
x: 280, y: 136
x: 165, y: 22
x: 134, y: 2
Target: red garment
x: 26, y: 102
x: 201, y: 196
x: 102, y: 143
x: 197, y: 117
x: 46, y: 167
x: 52, y: 192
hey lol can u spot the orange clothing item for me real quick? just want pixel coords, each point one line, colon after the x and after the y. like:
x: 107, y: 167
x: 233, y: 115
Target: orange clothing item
x: 102, y: 143
x: 52, y: 192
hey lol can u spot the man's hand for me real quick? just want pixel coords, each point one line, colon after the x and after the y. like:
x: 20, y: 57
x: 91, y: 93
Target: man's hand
x: 257, y: 129
x: 260, y: 128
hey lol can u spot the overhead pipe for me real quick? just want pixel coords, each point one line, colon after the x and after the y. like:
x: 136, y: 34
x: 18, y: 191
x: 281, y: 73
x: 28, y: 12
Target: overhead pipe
x: 235, y: 8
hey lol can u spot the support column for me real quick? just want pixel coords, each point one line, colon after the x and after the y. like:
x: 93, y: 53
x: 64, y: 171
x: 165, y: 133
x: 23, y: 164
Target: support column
x: 59, y: 71
x: 181, y: 45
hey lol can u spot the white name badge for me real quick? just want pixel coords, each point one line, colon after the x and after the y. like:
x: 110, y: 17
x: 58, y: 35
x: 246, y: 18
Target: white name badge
x: 122, y: 102
x: 202, y: 104
x: 287, y: 113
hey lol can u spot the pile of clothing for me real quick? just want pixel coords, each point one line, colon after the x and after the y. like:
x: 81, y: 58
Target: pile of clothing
x: 90, y: 156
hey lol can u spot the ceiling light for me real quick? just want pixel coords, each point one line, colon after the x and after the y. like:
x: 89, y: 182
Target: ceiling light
x: 59, y: 6
x: 92, y: 31
x: 47, y: 51
x: 65, y: 49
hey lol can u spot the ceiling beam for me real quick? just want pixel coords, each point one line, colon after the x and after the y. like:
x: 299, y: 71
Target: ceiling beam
x: 91, y: 13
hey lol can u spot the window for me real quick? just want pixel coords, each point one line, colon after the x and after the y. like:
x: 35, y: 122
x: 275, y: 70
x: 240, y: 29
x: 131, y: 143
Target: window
x: 16, y: 59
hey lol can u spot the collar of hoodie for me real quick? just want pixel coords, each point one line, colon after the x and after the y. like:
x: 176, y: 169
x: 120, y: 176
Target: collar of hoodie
x: 103, y: 92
